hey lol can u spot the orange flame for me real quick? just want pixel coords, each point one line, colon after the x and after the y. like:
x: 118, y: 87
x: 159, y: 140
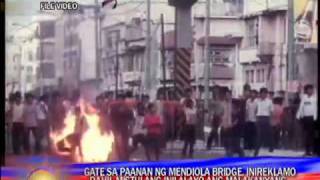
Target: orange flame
x: 95, y: 144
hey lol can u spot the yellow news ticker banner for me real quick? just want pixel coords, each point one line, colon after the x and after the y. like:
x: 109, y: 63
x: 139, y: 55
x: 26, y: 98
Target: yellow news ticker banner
x: 306, y: 21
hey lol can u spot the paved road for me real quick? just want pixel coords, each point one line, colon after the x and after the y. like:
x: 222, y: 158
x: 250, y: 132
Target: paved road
x: 172, y: 152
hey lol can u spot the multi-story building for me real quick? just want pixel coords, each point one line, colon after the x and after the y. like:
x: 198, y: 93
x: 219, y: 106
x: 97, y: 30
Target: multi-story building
x: 13, y: 64
x: 124, y: 46
x: 263, y: 50
x: 76, y: 49
x: 25, y: 57
x: 306, y: 40
x: 47, y: 71
x: 226, y: 31
x: 113, y: 55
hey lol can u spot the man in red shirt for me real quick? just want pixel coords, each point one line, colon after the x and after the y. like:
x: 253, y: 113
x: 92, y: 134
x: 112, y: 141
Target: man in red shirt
x: 121, y: 116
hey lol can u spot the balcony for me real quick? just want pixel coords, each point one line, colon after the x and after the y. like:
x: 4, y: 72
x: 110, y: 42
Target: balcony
x: 266, y: 49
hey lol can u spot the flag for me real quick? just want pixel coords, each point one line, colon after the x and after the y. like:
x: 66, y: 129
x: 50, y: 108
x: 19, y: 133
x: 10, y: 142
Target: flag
x: 105, y: 2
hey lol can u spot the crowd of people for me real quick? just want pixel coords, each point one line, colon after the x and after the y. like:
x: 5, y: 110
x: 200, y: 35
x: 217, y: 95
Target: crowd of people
x: 244, y: 125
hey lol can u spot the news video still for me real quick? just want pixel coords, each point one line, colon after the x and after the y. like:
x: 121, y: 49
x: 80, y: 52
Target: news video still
x: 160, y: 90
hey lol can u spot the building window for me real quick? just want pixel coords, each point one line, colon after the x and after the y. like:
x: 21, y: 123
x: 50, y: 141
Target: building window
x: 130, y: 62
x: 262, y: 75
x: 30, y: 56
x: 247, y: 76
x: 29, y: 69
x: 70, y: 63
x: 65, y: 65
x: 38, y: 73
x: 258, y: 76
x: 252, y: 76
x: 16, y: 58
x: 47, y: 51
x: 109, y: 42
x: 38, y: 53
x: 105, y: 67
x: 219, y: 54
x: 47, y: 29
x: 109, y: 66
x: 29, y: 78
x: 48, y: 70
x: 71, y: 39
x: 252, y: 32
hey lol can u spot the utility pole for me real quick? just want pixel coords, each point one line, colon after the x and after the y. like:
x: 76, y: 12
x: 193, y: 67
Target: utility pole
x: 175, y: 55
x: 117, y: 63
x: 163, y: 57
x: 148, y: 49
x: 96, y: 24
x: 290, y: 43
x: 207, y: 55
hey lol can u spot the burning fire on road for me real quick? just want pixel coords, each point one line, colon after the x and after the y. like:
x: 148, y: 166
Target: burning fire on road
x: 89, y: 144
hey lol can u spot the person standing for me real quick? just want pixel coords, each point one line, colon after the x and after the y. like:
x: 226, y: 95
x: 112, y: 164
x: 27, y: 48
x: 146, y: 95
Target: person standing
x: 307, y: 114
x: 227, y: 124
x: 189, y: 128
x: 250, y: 128
x: 31, y: 125
x: 153, y: 124
x: 264, y: 113
x: 42, y: 119
x: 57, y: 111
x: 236, y: 131
x: 17, y: 124
x: 188, y: 95
x: 277, y: 121
x: 215, y: 114
x: 242, y: 125
x: 121, y: 117
x: 138, y: 133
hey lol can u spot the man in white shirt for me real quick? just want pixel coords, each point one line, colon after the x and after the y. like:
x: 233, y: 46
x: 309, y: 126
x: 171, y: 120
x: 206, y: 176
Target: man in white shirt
x: 17, y: 131
x: 189, y: 128
x: 42, y: 117
x: 250, y: 128
x: 307, y: 113
x: 264, y: 112
x: 31, y: 124
x: 138, y: 131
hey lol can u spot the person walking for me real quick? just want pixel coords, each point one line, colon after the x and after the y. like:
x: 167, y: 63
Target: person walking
x: 121, y: 116
x: 43, y: 121
x: 189, y: 128
x: 236, y: 128
x: 215, y: 114
x: 57, y: 111
x: 307, y: 114
x: 153, y: 124
x: 138, y: 132
x: 31, y: 125
x: 17, y: 123
x: 264, y: 113
x: 226, y: 123
x: 250, y: 128
x: 188, y: 94
x: 277, y: 121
